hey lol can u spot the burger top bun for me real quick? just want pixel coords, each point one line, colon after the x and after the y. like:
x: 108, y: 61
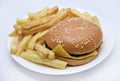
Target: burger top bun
x: 77, y: 36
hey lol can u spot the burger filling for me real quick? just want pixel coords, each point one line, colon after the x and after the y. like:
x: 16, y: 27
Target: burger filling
x: 59, y: 51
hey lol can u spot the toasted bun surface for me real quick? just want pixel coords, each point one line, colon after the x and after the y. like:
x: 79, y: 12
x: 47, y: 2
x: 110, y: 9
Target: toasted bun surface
x: 76, y: 35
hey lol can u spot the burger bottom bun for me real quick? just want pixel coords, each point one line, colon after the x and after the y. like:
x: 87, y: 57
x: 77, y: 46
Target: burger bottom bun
x: 73, y: 62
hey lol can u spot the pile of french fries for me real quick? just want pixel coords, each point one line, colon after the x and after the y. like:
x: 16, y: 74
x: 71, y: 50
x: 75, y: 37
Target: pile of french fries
x: 28, y: 35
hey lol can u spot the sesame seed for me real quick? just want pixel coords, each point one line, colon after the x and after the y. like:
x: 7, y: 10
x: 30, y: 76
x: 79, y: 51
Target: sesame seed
x: 77, y: 45
x: 60, y: 41
x: 88, y: 40
x: 90, y: 36
x: 86, y: 43
x: 52, y: 39
x: 73, y: 39
x: 82, y: 42
x: 82, y: 46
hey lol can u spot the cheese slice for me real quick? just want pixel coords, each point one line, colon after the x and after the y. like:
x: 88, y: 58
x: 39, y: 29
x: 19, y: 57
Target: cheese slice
x: 59, y: 51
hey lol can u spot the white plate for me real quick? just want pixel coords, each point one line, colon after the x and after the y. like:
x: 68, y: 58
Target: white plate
x: 108, y: 42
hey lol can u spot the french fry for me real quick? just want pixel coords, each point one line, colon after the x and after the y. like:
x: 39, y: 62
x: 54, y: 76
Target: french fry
x: 45, y: 12
x: 21, y: 21
x: 31, y: 51
x: 32, y: 42
x: 13, y: 34
x: 41, y: 42
x: 95, y: 20
x: 14, y: 45
x: 23, y: 44
x: 76, y: 13
x: 37, y: 22
x: 52, y: 11
x: 18, y: 27
x: 86, y: 16
x: 44, y: 52
x: 20, y: 33
x: 39, y: 14
x: 69, y: 16
x: 56, y: 63
x: 36, y: 29
x: 59, y: 16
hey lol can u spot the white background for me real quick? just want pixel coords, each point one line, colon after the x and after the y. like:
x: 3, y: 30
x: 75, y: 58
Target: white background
x: 108, y: 70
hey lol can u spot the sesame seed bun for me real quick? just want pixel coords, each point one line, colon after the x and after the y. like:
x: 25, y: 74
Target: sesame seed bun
x: 77, y: 36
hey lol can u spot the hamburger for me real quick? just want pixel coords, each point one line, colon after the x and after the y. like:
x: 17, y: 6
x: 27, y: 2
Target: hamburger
x: 74, y: 40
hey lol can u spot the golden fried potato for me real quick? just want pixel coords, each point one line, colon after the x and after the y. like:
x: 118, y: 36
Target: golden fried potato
x: 37, y: 29
x: 59, y: 16
x: 21, y: 21
x: 76, y: 13
x: 56, y: 63
x: 44, y: 52
x: 14, y: 45
x: 52, y: 11
x: 39, y: 14
x: 41, y: 42
x: 86, y: 16
x: 33, y: 40
x: 23, y: 44
x: 37, y: 22
x: 18, y: 27
x: 95, y: 20
x: 13, y: 33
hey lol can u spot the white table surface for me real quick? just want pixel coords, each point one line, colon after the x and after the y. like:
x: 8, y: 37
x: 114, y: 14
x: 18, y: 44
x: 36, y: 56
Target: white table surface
x: 108, y: 70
